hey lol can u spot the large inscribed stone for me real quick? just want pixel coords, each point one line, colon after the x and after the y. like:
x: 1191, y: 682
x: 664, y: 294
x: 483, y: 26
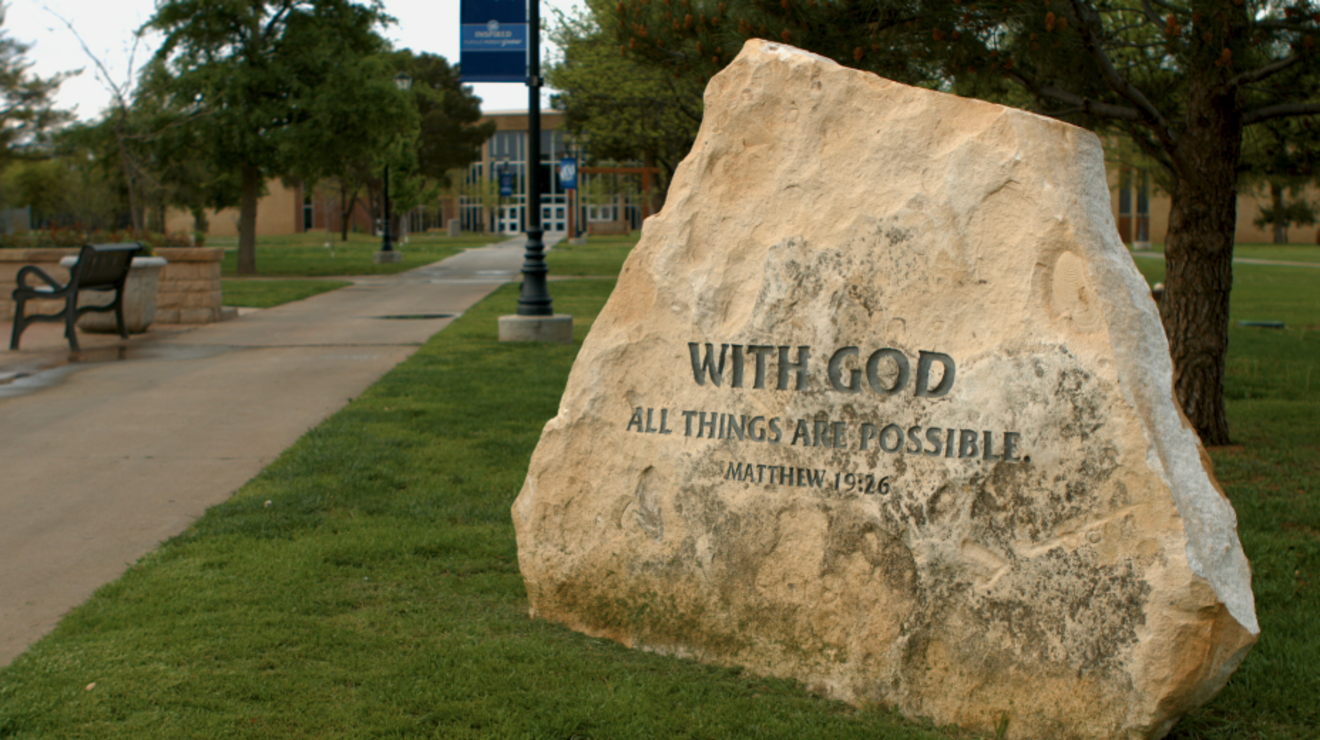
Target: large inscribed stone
x: 881, y: 403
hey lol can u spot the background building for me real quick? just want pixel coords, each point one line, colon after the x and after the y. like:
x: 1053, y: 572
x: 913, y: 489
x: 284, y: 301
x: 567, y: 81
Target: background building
x: 611, y: 204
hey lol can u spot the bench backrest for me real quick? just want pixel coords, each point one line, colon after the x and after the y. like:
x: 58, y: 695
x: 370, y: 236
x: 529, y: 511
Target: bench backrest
x: 103, y: 264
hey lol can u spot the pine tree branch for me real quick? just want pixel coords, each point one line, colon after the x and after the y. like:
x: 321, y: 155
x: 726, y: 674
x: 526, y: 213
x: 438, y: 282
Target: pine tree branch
x: 1151, y: 15
x: 1283, y: 110
x: 1150, y: 147
x: 1078, y: 102
x: 1153, y: 118
x: 276, y: 21
x: 687, y: 111
x: 1260, y: 73
x: 1285, y: 25
x: 119, y: 92
x: 1172, y: 8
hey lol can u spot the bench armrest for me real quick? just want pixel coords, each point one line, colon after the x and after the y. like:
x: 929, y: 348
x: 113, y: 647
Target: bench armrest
x: 35, y: 270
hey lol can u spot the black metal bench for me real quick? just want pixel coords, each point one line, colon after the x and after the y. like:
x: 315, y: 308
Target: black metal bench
x: 100, y: 267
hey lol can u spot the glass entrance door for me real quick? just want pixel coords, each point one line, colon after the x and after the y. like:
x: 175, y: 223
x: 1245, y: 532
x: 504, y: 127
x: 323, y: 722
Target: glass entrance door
x: 509, y: 220
x: 554, y: 212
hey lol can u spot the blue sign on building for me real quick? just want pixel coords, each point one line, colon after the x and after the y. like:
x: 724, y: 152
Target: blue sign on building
x: 506, y: 184
x: 493, y: 40
x: 568, y: 173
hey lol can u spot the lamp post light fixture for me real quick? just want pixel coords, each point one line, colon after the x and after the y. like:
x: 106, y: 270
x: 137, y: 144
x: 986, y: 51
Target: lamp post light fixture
x: 387, y: 253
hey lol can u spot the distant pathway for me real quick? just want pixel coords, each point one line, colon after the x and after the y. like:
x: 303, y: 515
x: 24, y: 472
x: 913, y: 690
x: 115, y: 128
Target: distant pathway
x: 1237, y: 260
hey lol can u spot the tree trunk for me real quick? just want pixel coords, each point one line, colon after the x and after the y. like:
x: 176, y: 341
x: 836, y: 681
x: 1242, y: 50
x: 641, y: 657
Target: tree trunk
x: 134, y: 210
x: 343, y: 213
x: 659, y: 185
x: 1280, y: 225
x: 347, y: 200
x: 201, y: 224
x: 158, y: 217
x: 247, y: 220
x: 1199, y: 258
x: 374, y: 210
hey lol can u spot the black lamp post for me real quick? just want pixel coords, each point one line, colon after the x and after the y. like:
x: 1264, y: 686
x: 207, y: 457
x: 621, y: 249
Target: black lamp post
x: 535, y: 297
x: 404, y: 82
x: 536, y: 320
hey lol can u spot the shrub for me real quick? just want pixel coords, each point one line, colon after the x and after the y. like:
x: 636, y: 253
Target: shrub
x: 75, y: 237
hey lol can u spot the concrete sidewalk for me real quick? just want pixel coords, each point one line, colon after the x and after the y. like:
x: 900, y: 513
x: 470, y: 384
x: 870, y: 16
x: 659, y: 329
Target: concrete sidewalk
x: 107, y: 452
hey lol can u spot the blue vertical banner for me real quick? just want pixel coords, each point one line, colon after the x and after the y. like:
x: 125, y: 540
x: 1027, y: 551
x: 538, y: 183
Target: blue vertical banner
x: 493, y: 42
x: 568, y: 173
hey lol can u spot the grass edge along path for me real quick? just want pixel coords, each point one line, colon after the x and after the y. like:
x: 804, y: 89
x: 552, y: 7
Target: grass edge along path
x: 312, y: 255
x: 266, y: 293
x: 366, y: 584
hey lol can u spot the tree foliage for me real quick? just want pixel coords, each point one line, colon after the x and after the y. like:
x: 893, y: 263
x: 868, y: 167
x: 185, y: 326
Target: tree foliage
x: 449, y: 136
x: 622, y: 108
x: 443, y: 136
x: 279, y: 88
x: 1180, y: 78
x: 1282, y: 157
x: 27, y: 113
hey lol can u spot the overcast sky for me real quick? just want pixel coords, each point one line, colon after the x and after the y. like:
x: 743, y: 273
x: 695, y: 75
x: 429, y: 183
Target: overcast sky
x: 107, y: 27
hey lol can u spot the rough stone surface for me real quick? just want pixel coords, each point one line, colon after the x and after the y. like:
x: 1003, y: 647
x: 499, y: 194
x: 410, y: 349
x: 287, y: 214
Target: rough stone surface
x: 1081, y: 576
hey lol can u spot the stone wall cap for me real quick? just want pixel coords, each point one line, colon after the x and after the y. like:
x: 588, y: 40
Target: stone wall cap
x: 41, y: 254
x: 192, y: 254
x: 139, y: 263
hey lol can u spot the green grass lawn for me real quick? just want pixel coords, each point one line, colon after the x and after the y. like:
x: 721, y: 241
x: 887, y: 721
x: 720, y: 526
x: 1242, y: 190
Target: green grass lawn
x: 263, y: 293
x: 601, y: 255
x: 312, y: 255
x: 366, y: 583
x: 1279, y: 252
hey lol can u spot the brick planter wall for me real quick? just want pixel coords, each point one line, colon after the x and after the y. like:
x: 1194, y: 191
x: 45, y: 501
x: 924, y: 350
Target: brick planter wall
x: 13, y: 260
x: 190, y: 286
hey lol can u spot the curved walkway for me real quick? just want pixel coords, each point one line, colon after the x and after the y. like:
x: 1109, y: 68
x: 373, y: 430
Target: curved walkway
x: 107, y: 452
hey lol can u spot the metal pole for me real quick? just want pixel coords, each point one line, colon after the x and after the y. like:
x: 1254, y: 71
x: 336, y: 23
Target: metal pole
x: 535, y: 297
x: 387, y: 244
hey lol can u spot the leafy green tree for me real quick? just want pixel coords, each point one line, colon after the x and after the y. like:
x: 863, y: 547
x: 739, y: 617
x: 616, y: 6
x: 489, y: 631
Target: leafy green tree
x: 445, y: 137
x: 40, y: 185
x: 1182, y: 79
x: 449, y: 136
x: 94, y: 194
x: 485, y: 192
x: 279, y: 88
x: 1282, y: 157
x: 1281, y: 214
x: 72, y: 188
x: 118, y: 135
x: 158, y: 131
x: 408, y: 187
x: 28, y: 119
x: 27, y: 113
x: 624, y: 110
